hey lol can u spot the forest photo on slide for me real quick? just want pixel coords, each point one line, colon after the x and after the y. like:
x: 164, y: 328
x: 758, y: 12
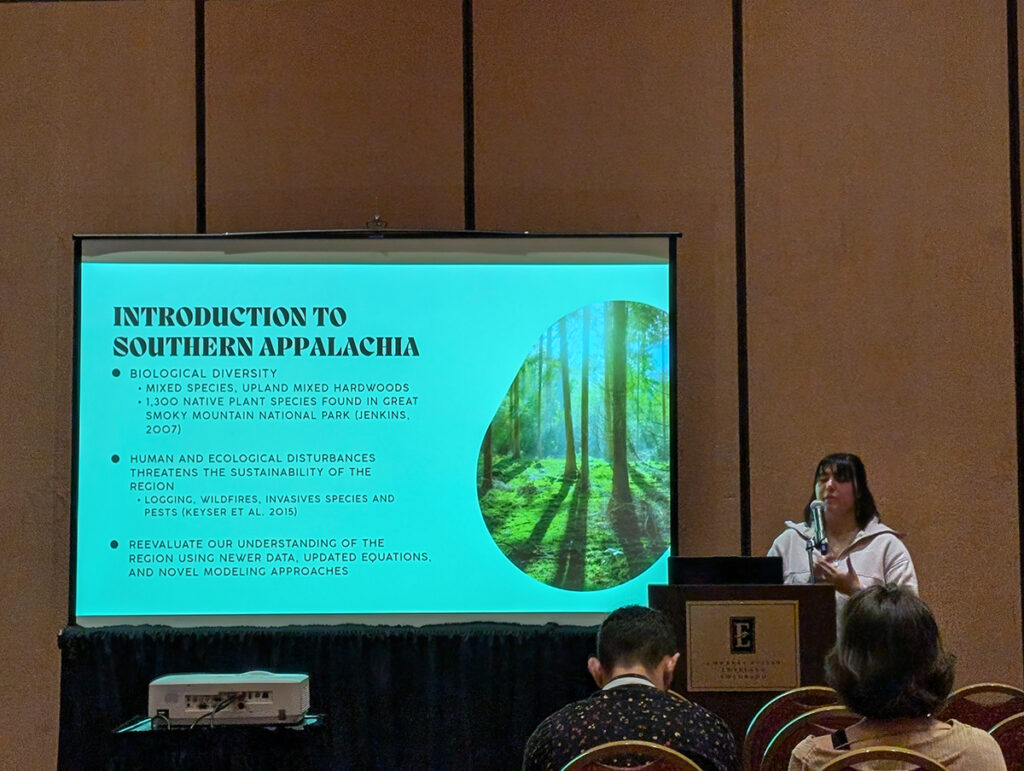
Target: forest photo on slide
x: 574, y: 471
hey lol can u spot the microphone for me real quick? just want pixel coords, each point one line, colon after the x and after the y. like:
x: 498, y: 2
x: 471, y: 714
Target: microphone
x: 820, y: 539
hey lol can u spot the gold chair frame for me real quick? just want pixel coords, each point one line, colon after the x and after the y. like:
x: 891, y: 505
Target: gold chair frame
x: 849, y: 760
x: 962, y: 705
x: 776, y: 713
x: 662, y: 758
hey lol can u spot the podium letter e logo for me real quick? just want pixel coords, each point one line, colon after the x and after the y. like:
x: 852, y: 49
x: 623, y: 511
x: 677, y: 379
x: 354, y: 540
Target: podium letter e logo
x: 741, y: 634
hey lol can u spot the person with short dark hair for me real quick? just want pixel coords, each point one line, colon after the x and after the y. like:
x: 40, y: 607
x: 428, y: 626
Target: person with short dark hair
x: 890, y: 667
x: 636, y: 657
x: 861, y: 550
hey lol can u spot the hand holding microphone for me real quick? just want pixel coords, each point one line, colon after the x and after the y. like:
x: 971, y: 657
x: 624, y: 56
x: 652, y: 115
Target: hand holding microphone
x: 819, y: 537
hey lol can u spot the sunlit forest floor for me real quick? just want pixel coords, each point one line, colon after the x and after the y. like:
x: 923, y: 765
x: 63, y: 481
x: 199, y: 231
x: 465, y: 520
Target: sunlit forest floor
x: 566, y: 537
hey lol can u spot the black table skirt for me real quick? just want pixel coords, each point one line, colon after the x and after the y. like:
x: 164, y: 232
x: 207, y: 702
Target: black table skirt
x: 452, y: 696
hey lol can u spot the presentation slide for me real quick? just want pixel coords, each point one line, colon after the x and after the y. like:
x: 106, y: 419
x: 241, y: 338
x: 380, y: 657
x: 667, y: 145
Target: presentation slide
x: 343, y: 426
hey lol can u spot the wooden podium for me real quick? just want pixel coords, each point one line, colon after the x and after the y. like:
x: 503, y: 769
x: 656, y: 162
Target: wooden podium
x: 743, y: 644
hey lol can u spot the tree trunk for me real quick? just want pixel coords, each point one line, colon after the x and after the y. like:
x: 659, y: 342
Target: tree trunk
x: 584, y: 480
x: 540, y: 400
x: 570, y: 444
x: 609, y: 429
x: 516, y: 449
x: 621, y: 509
x: 487, y: 473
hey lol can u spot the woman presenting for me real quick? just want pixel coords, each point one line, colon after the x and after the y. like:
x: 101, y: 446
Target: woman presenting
x: 857, y: 550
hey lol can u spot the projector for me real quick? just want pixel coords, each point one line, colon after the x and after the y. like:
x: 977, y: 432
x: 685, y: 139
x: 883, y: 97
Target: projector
x: 249, y: 698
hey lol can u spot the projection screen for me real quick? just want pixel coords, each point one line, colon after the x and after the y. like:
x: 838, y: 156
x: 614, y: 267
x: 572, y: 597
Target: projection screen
x: 354, y: 426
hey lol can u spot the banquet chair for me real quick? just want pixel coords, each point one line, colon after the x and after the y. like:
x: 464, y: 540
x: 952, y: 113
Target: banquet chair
x: 776, y: 713
x: 863, y: 759
x: 1009, y: 734
x: 817, y: 722
x: 981, y: 705
x: 650, y: 756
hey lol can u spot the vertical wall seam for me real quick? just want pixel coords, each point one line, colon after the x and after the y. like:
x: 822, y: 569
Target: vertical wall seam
x: 1013, y: 93
x: 468, y: 138
x: 200, y: 89
x: 743, y: 407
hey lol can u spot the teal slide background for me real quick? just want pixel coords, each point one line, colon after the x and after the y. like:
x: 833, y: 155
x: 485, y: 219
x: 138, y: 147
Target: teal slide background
x: 473, y: 324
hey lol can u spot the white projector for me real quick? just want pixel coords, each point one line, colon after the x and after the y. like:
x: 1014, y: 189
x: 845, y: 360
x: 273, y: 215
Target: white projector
x: 249, y: 698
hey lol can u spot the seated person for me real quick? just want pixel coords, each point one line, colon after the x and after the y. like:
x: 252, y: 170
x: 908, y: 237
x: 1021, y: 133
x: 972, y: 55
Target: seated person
x: 889, y: 666
x: 636, y: 656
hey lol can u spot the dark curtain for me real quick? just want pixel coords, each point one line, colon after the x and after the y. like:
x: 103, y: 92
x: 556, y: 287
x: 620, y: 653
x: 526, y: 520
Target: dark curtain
x: 453, y: 696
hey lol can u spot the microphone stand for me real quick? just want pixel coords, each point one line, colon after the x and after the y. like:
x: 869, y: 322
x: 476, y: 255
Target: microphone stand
x: 816, y: 543
x: 819, y: 538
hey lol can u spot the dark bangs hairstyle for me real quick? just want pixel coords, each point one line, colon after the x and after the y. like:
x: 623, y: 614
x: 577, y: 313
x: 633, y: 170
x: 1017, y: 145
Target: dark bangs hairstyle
x: 889, y: 661
x: 635, y: 635
x: 846, y: 467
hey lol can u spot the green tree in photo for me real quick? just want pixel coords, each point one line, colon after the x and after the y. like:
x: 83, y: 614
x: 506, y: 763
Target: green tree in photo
x: 562, y: 515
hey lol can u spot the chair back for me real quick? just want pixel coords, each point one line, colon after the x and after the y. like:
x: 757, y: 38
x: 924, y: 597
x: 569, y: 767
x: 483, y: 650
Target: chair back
x: 648, y: 756
x: 776, y: 713
x: 1009, y: 734
x: 981, y: 705
x: 863, y: 759
x: 817, y: 722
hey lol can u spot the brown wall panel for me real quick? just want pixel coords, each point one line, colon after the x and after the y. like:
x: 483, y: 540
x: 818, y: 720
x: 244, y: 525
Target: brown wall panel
x: 617, y: 116
x: 96, y: 135
x: 321, y: 114
x: 878, y: 236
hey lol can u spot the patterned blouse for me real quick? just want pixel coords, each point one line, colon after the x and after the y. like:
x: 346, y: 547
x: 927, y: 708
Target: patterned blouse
x: 631, y: 711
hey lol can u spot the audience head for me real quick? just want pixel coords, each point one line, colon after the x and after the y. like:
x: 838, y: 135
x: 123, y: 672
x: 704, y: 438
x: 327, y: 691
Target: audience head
x: 889, y: 661
x: 846, y: 467
x: 638, y: 640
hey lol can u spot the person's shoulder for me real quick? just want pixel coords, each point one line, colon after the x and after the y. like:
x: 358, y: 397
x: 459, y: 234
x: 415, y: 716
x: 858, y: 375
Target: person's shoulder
x: 963, y: 746
x: 972, y: 734
x: 560, y: 717
x: 678, y: 701
x: 878, y: 528
x: 793, y: 530
x: 812, y: 751
x: 698, y: 732
x: 878, y: 535
x: 692, y: 712
x: 544, y: 743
